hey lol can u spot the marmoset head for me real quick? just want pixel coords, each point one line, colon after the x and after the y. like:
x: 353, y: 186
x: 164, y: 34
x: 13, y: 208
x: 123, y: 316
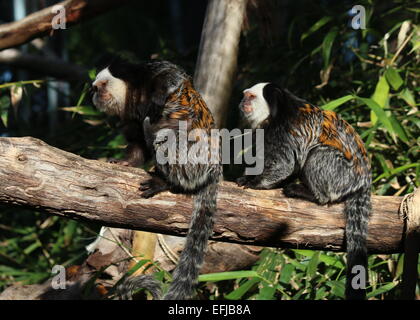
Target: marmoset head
x: 124, y: 88
x: 266, y: 101
x: 258, y: 104
x: 109, y: 93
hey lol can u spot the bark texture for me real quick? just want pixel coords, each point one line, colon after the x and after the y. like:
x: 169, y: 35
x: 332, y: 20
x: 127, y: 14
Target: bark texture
x: 39, y: 23
x: 217, y: 57
x: 36, y: 175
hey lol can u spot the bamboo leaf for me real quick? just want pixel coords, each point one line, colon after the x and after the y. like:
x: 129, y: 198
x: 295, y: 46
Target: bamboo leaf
x: 408, y: 97
x: 337, y: 102
x: 416, y: 46
x: 286, y: 273
x: 312, y: 265
x: 337, y: 288
x: 383, y: 289
x: 21, y: 83
x: 399, y: 129
x: 416, y: 10
x: 219, y: 276
x: 316, y: 26
x: 393, y: 78
x: 396, y: 171
x: 328, y: 260
x: 327, y: 45
x: 266, y: 292
x: 400, y: 266
x: 379, y: 112
x: 244, y: 288
x: 84, y: 110
x: 380, y: 96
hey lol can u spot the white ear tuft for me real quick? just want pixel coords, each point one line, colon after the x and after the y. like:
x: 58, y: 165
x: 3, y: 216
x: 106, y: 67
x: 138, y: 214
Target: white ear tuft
x: 261, y: 110
x: 117, y: 88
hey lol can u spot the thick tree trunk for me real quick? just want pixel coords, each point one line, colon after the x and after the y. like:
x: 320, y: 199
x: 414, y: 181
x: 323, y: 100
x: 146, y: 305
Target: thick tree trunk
x: 36, y: 175
x: 217, y: 57
x: 40, y: 23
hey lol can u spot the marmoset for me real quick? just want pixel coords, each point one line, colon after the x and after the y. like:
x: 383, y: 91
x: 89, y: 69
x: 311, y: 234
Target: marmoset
x: 152, y: 97
x: 323, y: 151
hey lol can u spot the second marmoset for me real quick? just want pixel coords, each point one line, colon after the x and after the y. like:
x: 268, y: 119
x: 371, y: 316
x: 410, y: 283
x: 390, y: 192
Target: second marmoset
x: 323, y: 151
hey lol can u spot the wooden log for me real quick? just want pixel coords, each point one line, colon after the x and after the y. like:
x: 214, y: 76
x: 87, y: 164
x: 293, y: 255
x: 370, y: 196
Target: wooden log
x: 39, y: 23
x: 42, y: 177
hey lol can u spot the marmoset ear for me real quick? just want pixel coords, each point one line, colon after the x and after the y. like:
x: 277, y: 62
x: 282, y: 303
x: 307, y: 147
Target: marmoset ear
x: 274, y: 96
x: 159, y: 93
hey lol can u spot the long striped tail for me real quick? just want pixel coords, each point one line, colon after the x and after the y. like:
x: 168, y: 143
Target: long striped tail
x: 357, y: 210
x: 186, y: 272
x: 125, y: 290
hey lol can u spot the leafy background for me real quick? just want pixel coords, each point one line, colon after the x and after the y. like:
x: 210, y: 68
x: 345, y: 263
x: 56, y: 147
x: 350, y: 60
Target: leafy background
x: 369, y: 76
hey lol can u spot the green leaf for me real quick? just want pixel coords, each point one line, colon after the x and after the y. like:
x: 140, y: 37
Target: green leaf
x: 399, y: 129
x: 69, y: 231
x: 418, y: 184
x: 328, y: 260
x: 337, y: 288
x: 32, y: 247
x: 137, y: 266
x: 4, y: 109
x: 393, y: 78
x: 333, y: 261
x: 244, y: 288
x: 83, y: 95
x: 92, y: 74
x: 408, y: 97
x: 416, y: 10
x: 319, y: 24
x: 312, y: 265
x: 84, y: 110
x: 380, y: 96
x: 266, y: 292
x: 416, y: 46
x: 327, y: 45
x: 382, y: 161
x: 400, y: 266
x: 306, y: 253
x: 320, y: 294
x: 379, y: 112
x: 337, y: 102
x: 298, y: 265
x: 396, y: 171
x: 286, y: 273
x: 21, y: 83
x: 219, y: 276
x: 383, y: 289
x: 4, y: 103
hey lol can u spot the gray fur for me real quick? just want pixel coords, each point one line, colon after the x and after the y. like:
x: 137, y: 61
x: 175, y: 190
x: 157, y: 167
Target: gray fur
x: 159, y: 94
x: 331, y: 164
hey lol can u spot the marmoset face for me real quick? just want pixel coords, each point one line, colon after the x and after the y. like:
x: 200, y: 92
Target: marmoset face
x: 109, y: 93
x: 253, y: 106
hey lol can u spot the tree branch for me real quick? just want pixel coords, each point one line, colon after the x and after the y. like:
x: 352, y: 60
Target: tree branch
x: 48, y: 66
x: 42, y: 177
x: 39, y: 23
